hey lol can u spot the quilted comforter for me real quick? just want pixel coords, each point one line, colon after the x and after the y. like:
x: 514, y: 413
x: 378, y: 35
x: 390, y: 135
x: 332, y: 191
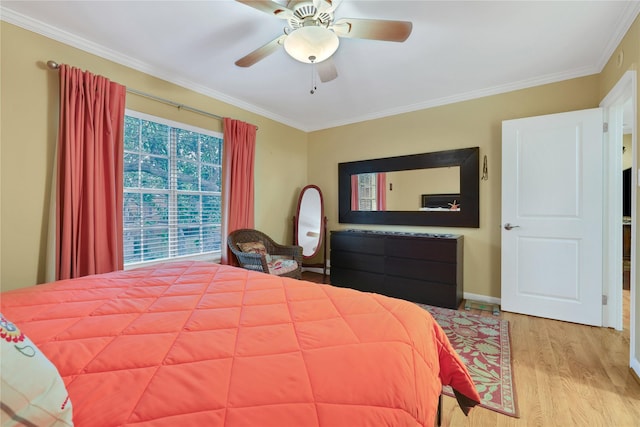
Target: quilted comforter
x: 201, y: 344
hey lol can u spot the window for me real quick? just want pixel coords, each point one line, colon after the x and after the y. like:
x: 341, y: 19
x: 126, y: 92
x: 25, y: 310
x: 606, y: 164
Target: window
x: 367, y: 192
x: 172, y: 182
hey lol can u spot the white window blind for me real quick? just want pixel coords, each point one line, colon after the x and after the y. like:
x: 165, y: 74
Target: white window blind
x: 172, y: 183
x: 367, y: 191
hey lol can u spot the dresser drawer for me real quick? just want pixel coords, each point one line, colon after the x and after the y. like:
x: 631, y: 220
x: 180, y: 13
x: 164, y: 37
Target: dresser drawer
x: 420, y: 270
x: 352, y: 242
x: 426, y: 249
x: 359, y: 280
x: 438, y: 294
x: 357, y: 261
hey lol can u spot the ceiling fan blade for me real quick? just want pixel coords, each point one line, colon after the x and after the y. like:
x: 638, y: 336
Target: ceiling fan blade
x: 374, y: 29
x: 291, y: 4
x: 327, y: 70
x: 270, y: 7
x: 326, y: 6
x: 261, y: 52
x: 334, y: 5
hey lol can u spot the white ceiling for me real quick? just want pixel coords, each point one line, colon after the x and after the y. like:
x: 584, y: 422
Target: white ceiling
x: 458, y: 50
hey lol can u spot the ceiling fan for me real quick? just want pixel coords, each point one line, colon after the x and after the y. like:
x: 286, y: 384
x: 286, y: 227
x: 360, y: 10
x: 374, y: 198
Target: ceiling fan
x: 312, y: 33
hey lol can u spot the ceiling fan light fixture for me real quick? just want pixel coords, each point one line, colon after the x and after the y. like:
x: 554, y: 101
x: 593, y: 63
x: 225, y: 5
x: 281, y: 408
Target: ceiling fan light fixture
x: 311, y: 44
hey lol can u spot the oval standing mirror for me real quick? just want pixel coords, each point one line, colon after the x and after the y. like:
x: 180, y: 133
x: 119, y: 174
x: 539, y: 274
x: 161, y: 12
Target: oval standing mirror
x: 310, y: 224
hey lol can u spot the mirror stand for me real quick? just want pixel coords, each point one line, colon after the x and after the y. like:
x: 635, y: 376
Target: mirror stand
x: 323, y: 241
x: 310, y: 227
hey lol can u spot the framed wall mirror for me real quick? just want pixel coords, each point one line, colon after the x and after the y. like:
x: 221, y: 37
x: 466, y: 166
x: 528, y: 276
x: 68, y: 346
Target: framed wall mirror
x: 310, y: 226
x: 432, y: 189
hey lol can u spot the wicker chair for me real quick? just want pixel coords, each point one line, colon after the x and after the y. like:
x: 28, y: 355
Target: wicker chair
x: 258, y: 262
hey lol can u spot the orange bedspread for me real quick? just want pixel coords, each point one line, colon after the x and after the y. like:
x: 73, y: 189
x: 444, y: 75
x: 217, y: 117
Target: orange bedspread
x: 201, y: 344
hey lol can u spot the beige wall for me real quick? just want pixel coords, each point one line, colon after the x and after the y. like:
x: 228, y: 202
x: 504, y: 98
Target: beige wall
x: 627, y: 159
x: 405, y: 188
x: 28, y: 133
x: 29, y: 94
x: 466, y: 124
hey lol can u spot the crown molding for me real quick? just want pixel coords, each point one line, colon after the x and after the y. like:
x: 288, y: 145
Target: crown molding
x: 72, y: 40
x: 632, y: 10
x: 46, y: 30
x: 467, y: 96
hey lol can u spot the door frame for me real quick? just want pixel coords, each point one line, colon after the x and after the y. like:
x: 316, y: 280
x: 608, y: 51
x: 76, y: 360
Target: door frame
x: 612, y: 105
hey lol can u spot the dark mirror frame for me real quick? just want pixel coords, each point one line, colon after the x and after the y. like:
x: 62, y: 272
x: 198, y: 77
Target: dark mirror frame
x: 469, y: 215
x: 321, y: 220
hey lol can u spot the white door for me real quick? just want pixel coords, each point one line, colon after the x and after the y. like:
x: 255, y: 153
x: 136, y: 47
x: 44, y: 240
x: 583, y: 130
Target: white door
x: 552, y: 223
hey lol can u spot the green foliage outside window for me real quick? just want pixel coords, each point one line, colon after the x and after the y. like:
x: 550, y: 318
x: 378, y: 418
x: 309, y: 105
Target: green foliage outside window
x: 172, y: 184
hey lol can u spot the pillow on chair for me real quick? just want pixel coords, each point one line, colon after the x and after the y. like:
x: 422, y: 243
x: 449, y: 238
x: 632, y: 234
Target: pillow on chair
x: 253, y: 247
x: 278, y: 264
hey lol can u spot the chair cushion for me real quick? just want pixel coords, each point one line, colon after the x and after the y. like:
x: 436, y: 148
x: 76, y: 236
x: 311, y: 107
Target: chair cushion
x: 279, y: 264
x: 253, y: 247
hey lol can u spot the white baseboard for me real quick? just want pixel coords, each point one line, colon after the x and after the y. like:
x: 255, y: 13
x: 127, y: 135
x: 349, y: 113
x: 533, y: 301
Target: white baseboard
x: 481, y: 298
x: 635, y: 365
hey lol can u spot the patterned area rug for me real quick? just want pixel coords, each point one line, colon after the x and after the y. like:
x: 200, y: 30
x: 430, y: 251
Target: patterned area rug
x: 483, y: 344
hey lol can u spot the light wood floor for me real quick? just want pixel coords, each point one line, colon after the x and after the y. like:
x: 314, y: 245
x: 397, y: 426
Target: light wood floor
x: 565, y: 375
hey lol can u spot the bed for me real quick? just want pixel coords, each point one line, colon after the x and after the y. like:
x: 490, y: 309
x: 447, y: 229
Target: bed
x: 196, y: 343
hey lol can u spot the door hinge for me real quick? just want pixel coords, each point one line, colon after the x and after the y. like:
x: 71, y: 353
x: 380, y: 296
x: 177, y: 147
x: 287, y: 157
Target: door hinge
x: 605, y: 127
x: 605, y: 299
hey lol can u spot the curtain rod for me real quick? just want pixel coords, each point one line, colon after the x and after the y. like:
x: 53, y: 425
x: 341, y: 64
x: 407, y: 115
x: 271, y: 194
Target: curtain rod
x: 53, y: 65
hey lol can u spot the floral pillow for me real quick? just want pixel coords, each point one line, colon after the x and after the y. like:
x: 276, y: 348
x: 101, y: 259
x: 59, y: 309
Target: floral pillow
x: 253, y: 247
x: 32, y: 391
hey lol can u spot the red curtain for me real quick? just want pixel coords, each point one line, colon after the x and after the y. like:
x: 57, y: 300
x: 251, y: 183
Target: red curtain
x: 381, y: 191
x: 238, y: 193
x: 355, y: 197
x: 89, y: 177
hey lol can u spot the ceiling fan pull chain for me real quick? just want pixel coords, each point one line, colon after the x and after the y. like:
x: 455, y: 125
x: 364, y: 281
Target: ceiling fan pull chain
x: 313, y: 78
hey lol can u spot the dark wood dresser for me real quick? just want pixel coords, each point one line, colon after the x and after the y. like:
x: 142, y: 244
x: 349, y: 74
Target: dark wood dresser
x: 419, y: 267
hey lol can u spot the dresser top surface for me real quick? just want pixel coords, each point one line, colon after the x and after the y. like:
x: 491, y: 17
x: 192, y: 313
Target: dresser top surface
x: 397, y: 233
